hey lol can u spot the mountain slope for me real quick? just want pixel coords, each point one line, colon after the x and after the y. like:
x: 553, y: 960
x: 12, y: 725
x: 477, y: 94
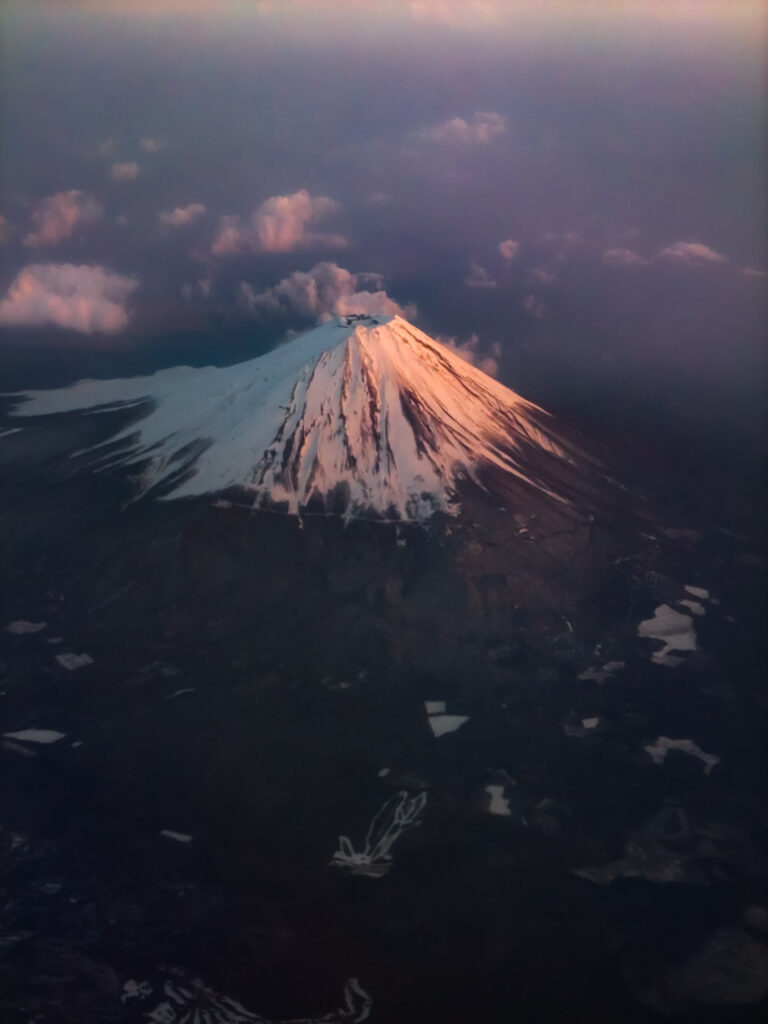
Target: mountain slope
x: 357, y: 414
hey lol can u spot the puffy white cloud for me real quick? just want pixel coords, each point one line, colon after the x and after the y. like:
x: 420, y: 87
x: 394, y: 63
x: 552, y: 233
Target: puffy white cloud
x: 125, y: 172
x: 509, y: 249
x: 56, y: 217
x: 483, y: 126
x: 693, y: 253
x: 279, y: 224
x: 152, y: 145
x: 623, y: 258
x: 324, y: 291
x: 471, y: 351
x: 478, y: 277
x: 181, y: 215
x: 81, y: 298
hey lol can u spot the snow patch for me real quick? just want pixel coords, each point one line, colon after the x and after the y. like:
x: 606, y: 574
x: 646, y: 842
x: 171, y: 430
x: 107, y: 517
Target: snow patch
x: 693, y: 606
x: 396, y: 816
x: 24, y: 628
x: 599, y: 675
x: 674, y: 629
x: 188, y: 1000
x: 442, y: 724
x: 179, y: 837
x: 435, y: 707
x: 71, y: 662
x: 662, y: 746
x: 36, y: 735
x: 498, y: 802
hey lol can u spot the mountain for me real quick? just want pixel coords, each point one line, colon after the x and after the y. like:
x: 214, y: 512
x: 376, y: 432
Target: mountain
x: 359, y: 415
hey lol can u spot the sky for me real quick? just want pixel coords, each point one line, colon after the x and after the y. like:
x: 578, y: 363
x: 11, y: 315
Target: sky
x: 569, y: 194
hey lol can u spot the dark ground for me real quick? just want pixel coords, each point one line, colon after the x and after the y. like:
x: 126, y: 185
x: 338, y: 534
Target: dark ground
x: 307, y: 655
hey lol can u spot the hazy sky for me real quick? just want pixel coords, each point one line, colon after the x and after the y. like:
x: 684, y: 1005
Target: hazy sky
x: 572, y: 192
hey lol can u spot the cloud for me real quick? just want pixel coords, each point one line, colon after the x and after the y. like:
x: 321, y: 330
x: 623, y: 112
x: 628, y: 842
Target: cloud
x: 540, y: 275
x: 125, y: 172
x: 693, y: 253
x: 181, y: 215
x: 470, y: 352
x: 81, y: 298
x: 56, y: 217
x: 509, y: 249
x: 478, y: 277
x: 623, y: 258
x: 376, y: 198
x: 280, y: 224
x: 151, y: 145
x: 107, y: 148
x: 534, y: 307
x: 754, y: 272
x: 204, y: 287
x: 465, y: 14
x: 324, y: 291
x: 484, y: 126
x: 5, y: 230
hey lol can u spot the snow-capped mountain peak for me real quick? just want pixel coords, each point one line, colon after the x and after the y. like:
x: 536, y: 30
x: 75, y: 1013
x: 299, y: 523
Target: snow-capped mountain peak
x: 358, y: 414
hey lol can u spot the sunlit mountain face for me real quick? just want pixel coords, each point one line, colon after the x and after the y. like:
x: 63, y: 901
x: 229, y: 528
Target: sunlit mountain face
x: 382, y: 449
x: 362, y: 414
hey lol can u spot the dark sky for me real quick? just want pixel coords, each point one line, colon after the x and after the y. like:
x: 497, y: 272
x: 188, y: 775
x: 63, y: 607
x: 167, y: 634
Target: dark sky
x: 619, y: 150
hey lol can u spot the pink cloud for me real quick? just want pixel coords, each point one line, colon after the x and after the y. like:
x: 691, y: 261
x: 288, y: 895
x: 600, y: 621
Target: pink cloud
x: 56, y: 217
x: 479, y: 130
x: 81, y: 298
x: 623, y: 258
x: 181, y: 215
x: 279, y: 224
x: 324, y: 291
x: 540, y: 275
x: 471, y: 352
x: 478, y: 277
x: 509, y: 249
x: 125, y: 172
x: 534, y: 307
x: 693, y: 253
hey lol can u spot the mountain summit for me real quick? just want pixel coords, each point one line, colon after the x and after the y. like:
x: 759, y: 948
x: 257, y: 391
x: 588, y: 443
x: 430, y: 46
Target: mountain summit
x: 359, y: 414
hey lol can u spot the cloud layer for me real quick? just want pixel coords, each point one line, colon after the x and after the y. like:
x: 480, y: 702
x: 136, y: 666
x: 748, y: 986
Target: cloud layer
x: 81, y: 298
x: 56, y: 217
x: 279, y: 224
x: 324, y: 291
